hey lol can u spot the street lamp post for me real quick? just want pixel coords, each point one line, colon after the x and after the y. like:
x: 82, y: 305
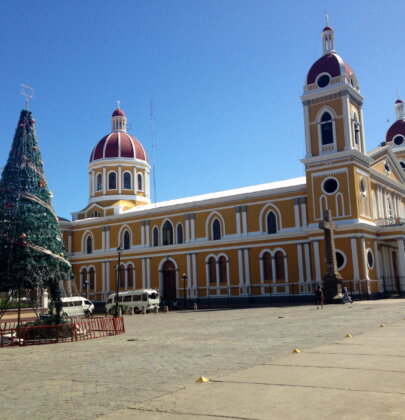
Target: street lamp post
x: 184, y: 278
x: 119, y: 252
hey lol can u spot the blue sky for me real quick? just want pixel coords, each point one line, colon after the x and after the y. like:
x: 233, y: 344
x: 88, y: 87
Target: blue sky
x: 225, y: 77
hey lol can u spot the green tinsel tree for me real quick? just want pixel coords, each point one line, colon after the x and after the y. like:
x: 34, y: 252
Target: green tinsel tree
x: 31, y: 246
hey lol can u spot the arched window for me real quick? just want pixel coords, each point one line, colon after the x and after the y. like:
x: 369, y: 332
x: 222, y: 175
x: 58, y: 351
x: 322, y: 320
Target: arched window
x: 167, y: 233
x: 180, y: 233
x: 83, y: 279
x: 212, y: 270
x: 112, y: 181
x: 99, y: 182
x: 127, y: 181
x: 130, y: 274
x: 356, y: 130
x: 92, y: 278
x: 271, y: 223
x: 279, y: 262
x: 140, y: 182
x: 122, y: 277
x: 89, y: 245
x: 155, y: 236
x: 326, y: 129
x: 267, y: 270
x: 223, y: 277
x: 126, y: 240
x: 216, y: 230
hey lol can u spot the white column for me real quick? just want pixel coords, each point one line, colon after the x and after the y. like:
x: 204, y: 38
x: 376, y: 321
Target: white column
x: 261, y: 275
x: 296, y: 212
x: 135, y: 184
x: 246, y: 263
x: 143, y: 273
x: 240, y: 267
x: 93, y: 183
x: 187, y: 239
x: 401, y: 263
x: 300, y: 267
x: 244, y: 220
x: 377, y: 265
x: 105, y: 180
x: 346, y: 123
x: 103, y: 280
x: 119, y: 179
x: 148, y: 273
x: 147, y: 234
x: 318, y: 277
x: 363, y: 133
x: 307, y: 262
x: 304, y: 211
x: 108, y: 284
x: 355, y: 260
x: 143, y: 242
x: 107, y: 235
x: 192, y: 219
x: 363, y: 251
x: 307, y: 132
x: 194, y: 265
x: 237, y: 219
x: 189, y: 272
x: 70, y: 237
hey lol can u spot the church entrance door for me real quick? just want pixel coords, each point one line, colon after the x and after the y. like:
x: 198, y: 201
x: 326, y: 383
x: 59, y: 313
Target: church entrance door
x: 169, y: 282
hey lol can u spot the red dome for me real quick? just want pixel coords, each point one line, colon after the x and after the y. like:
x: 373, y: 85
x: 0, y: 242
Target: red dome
x: 118, y: 113
x: 398, y: 101
x: 118, y: 144
x: 327, y: 28
x: 329, y: 63
x: 397, y: 128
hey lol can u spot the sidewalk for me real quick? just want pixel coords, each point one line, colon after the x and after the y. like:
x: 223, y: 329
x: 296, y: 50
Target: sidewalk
x: 362, y: 377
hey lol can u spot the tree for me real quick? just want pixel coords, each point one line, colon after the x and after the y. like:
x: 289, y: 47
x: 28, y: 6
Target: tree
x: 31, y: 246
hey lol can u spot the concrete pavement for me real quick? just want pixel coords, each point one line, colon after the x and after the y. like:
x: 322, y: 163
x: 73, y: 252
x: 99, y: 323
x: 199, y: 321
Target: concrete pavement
x: 362, y: 377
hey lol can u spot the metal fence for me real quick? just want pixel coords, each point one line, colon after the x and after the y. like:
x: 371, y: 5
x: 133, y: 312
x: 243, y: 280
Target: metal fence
x: 394, y: 285
x: 77, y: 330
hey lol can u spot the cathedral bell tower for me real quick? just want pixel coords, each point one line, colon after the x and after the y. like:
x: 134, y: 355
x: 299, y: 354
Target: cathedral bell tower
x: 332, y: 104
x: 334, y: 136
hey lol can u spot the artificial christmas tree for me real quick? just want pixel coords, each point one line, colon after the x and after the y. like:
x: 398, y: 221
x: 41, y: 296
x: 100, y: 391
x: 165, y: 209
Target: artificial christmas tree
x: 31, y: 246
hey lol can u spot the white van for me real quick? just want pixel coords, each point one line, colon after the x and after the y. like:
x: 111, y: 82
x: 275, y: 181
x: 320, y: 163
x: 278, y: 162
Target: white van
x: 134, y: 299
x: 76, y: 306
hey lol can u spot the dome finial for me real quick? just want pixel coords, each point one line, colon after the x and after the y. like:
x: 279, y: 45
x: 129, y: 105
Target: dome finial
x: 118, y: 104
x: 399, y: 108
x: 328, y: 38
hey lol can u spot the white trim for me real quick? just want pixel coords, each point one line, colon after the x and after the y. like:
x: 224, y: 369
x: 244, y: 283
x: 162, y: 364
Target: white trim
x: 263, y: 221
x: 108, y: 180
x: 209, y: 225
x: 123, y: 180
x: 331, y: 147
x: 344, y: 259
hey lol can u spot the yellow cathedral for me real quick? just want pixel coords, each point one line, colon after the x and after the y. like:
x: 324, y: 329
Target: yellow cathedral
x: 263, y: 241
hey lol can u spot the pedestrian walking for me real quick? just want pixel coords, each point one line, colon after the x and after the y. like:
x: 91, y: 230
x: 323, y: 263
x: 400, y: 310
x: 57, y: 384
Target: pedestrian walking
x: 346, y: 296
x: 319, y: 297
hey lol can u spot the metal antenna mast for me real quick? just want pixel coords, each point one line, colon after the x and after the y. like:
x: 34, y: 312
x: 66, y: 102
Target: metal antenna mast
x: 153, y: 136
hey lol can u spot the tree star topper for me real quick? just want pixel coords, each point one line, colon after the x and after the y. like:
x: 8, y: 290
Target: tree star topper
x: 28, y: 92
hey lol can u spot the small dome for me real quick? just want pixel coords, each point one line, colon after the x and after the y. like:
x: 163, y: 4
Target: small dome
x: 398, y: 128
x: 118, y: 144
x: 398, y: 101
x: 327, y: 28
x: 330, y: 63
x: 118, y: 113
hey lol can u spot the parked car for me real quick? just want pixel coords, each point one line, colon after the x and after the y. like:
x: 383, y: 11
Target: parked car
x: 76, y: 306
x: 135, y: 299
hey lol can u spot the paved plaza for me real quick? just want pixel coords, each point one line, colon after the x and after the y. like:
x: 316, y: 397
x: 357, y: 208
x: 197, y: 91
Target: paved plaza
x: 163, y: 354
